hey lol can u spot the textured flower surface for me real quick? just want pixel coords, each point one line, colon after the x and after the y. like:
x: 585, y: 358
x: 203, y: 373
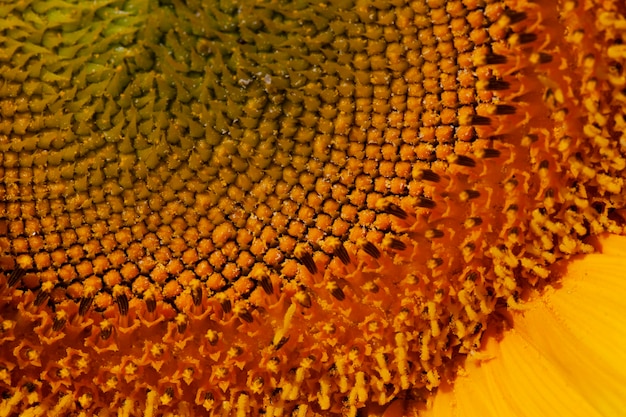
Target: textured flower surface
x: 563, y: 354
x: 290, y: 207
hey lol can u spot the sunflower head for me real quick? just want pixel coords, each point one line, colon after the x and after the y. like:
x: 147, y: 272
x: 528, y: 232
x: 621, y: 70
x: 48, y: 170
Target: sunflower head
x: 288, y: 207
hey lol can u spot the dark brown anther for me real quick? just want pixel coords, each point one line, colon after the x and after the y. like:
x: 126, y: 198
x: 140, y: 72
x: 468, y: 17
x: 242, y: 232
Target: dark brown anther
x: 303, y: 298
x: 212, y: 337
x: 504, y: 109
x: 281, y: 343
x: 341, y: 252
x: 85, y: 305
x: 470, y: 246
x: 544, y: 164
x: 429, y: 175
x: 277, y: 391
x: 426, y: 203
x: 169, y: 391
x: 57, y: 324
x: 308, y: 262
x: 435, y: 262
x: 338, y: 293
x: 476, y: 221
x: 527, y: 37
x: 434, y: 234
x: 490, y: 153
x: 477, y: 328
x: 17, y: 274
x: 531, y: 137
x: 122, y: 304
x: 245, y: 294
x: 396, y: 211
x: 196, y: 295
x: 512, y: 182
x: 371, y: 250
x: 42, y: 297
x: 494, y: 59
x: 332, y: 371
x: 515, y: 17
x: 226, y: 306
x: 544, y: 58
x: 598, y: 206
x: 497, y: 85
x: 472, y: 276
x: 246, y: 315
x: 30, y: 387
x: 266, y: 284
x: 469, y: 195
x: 465, y: 161
x: 182, y: 326
x: 480, y: 120
x: 106, y: 333
x: 150, y: 304
x: 86, y: 332
x: 548, y: 96
x: 397, y: 244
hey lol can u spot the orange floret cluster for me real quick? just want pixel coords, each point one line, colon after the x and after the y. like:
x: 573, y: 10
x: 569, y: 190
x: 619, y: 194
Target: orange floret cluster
x: 288, y: 208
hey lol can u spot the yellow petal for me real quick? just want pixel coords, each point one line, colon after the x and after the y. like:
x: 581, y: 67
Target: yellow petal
x: 564, y: 356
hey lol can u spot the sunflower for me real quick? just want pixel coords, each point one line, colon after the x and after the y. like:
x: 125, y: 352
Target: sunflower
x: 301, y: 207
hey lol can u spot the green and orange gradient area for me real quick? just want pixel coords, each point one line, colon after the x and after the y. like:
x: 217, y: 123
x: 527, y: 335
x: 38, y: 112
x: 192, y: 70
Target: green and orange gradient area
x: 277, y: 208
